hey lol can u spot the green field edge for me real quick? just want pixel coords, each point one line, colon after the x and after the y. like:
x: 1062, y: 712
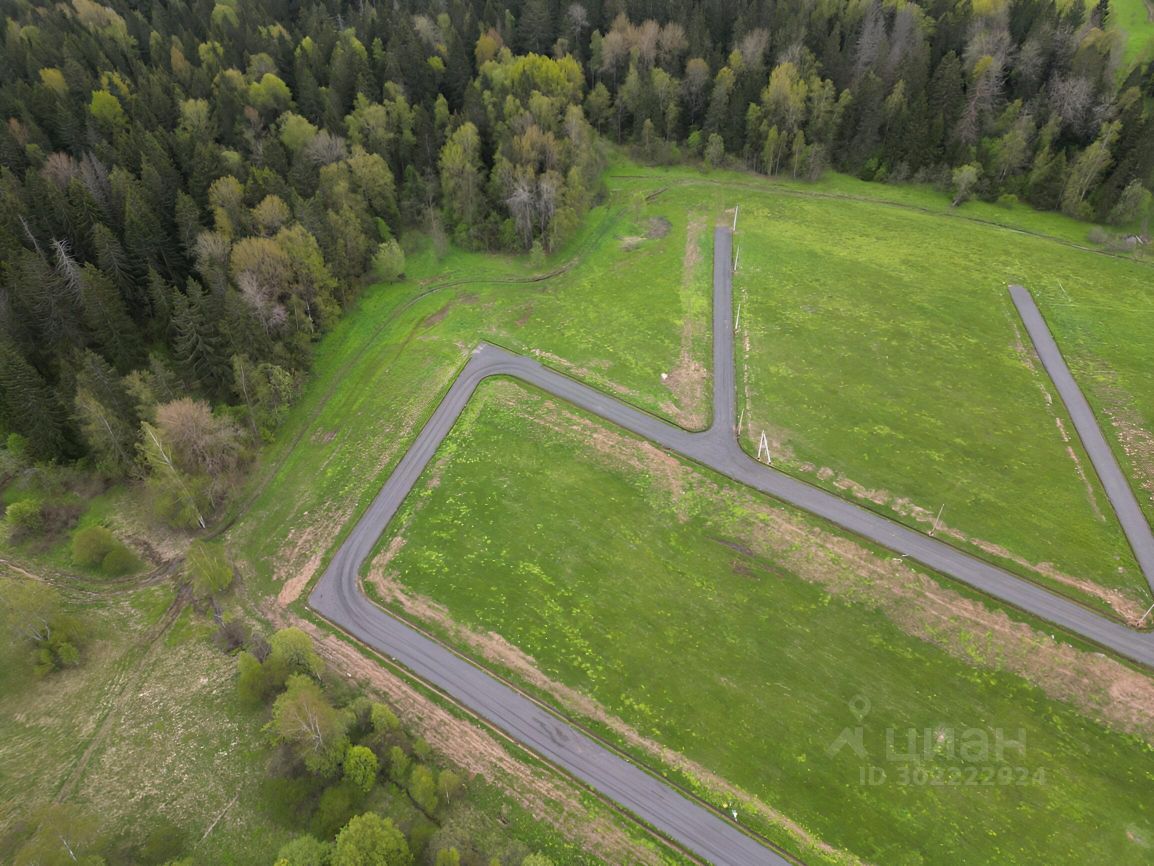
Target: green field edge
x: 766, y: 184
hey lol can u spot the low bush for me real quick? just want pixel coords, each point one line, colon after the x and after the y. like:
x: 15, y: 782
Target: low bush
x: 97, y: 548
x: 120, y: 561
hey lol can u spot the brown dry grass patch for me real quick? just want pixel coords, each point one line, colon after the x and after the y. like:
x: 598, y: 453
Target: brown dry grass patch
x: 689, y: 378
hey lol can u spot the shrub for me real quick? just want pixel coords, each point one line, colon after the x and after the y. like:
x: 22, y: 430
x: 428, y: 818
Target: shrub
x: 120, y: 561
x: 384, y: 720
x: 96, y: 547
x: 389, y: 262
x: 59, y: 517
x: 16, y: 444
x: 232, y: 635
x: 369, y: 838
x: 423, y: 788
x: 334, y: 809
x: 164, y: 843
x: 399, y: 763
x: 1098, y: 235
x: 209, y: 570
x: 90, y: 545
x: 25, y: 517
x: 305, y: 851
x: 360, y: 768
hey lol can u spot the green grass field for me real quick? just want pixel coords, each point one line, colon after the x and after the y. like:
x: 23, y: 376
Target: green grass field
x: 621, y: 308
x: 624, y: 309
x: 604, y: 538
x: 1135, y: 20
x: 882, y: 356
x: 674, y: 601
x: 893, y: 369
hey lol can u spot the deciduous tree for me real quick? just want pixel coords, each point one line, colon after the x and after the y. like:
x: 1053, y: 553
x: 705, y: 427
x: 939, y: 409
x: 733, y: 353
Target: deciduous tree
x: 370, y: 840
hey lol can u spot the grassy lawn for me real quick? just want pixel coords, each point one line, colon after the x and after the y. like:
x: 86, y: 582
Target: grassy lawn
x: 1135, y: 20
x: 629, y: 303
x: 747, y: 639
x: 904, y: 377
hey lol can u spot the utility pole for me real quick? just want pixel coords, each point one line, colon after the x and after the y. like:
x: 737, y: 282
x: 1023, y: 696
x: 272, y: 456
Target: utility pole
x: 736, y: 255
x: 938, y: 519
x: 1142, y: 619
x: 735, y: 207
x: 763, y: 446
x: 737, y: 321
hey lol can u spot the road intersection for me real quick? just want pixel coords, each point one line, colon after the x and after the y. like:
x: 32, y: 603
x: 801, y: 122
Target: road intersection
x: 693, y: 825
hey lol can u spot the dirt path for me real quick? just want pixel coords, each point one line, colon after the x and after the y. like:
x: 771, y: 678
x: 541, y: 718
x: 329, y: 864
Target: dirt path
x: 133, y: 673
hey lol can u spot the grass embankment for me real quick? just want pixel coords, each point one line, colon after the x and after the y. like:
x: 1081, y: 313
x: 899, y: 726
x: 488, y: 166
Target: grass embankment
x: 745, y: 637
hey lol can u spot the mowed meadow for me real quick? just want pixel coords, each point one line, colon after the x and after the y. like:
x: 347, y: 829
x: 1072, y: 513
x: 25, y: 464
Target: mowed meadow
x: 882, y: 356
x: 733, y: 643
x: 878, y: 350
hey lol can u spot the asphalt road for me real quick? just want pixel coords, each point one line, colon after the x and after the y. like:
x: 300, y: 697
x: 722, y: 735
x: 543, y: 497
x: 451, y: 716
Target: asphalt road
x: 338, y: 596
x: 1118, y: 490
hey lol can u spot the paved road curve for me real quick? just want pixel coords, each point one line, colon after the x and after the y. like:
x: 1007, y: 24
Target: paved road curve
x: 338, y: 596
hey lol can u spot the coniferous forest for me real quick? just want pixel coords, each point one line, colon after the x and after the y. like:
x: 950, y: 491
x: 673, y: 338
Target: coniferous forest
x: 192, y: 191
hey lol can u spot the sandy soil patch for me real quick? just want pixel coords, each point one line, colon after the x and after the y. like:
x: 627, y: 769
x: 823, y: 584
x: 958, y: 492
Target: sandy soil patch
x: 300, y: 556
x: 658, y: 227
x: 688, y: 379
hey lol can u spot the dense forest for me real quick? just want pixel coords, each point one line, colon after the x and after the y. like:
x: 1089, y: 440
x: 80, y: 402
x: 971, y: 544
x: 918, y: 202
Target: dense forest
x: 192, y: 191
